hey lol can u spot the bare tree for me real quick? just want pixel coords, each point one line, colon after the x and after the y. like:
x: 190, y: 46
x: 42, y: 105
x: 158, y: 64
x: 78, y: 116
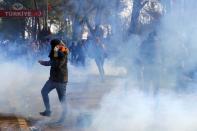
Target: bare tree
x: 137, y: 6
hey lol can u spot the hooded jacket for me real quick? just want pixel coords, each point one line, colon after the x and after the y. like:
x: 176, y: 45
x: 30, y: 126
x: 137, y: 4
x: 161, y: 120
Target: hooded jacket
x: 59, y: 70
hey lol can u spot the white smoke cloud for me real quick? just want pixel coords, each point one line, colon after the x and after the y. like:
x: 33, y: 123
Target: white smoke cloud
x: 132, y: 110
x: 130, y: 107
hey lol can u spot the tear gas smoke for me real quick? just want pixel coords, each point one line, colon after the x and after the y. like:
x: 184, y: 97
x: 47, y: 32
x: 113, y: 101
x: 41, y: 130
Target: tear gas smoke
x: 144, y: 100
x: 148, y: 99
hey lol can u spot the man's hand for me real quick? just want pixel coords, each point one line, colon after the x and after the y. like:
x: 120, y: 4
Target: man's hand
x: 44, y: 63
x: 41, y: 62
x: 56, y: 51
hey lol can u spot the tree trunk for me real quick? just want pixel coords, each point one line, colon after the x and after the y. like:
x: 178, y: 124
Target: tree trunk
x: 76, y: 22
x: 137, y: 6
x: 36, y: 27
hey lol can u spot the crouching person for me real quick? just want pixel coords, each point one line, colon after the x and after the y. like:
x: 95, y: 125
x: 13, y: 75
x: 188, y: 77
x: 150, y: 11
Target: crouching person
x: 58, y: 76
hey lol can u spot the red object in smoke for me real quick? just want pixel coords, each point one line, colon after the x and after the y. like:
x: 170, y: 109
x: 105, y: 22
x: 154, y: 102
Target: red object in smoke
x: 62, y: 48
x: 49, y: 7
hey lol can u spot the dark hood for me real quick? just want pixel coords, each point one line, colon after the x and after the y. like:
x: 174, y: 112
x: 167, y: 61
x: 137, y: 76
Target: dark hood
x: 53, y: 43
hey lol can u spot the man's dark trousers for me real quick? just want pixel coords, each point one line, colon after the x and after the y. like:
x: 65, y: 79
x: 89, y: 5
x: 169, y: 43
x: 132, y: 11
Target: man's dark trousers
x: 61, y: 91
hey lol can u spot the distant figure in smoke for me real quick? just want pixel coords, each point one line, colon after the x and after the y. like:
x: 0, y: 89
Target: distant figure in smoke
x: 77, y: 50
x: 99, y: 57
x: 148, y: 49
x: 73, y: 51
x: 96, y: 48
x: 58, y: 76
x: 81, y: 53
x: 148, y: 63
x: 97, y: 51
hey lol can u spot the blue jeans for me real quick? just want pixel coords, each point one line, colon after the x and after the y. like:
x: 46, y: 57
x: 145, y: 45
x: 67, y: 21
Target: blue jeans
x: 61, y: 91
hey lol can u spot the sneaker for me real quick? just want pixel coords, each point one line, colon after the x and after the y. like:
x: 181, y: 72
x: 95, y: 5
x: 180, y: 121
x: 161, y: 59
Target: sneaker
x: 45, y: 113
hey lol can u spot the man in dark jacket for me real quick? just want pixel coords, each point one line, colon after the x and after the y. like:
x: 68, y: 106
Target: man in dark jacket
x: 58, y: 75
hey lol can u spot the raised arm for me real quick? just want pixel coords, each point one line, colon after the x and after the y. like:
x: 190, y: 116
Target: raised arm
x: 44, y: 63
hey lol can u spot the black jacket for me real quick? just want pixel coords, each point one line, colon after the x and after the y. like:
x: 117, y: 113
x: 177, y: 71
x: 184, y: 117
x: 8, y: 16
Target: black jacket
x: 59, y: 70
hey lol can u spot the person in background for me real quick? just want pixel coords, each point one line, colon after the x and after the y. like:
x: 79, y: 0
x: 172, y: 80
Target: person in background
x: 99, y: 56
x: 73, y: 51
x: 81, y: 53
